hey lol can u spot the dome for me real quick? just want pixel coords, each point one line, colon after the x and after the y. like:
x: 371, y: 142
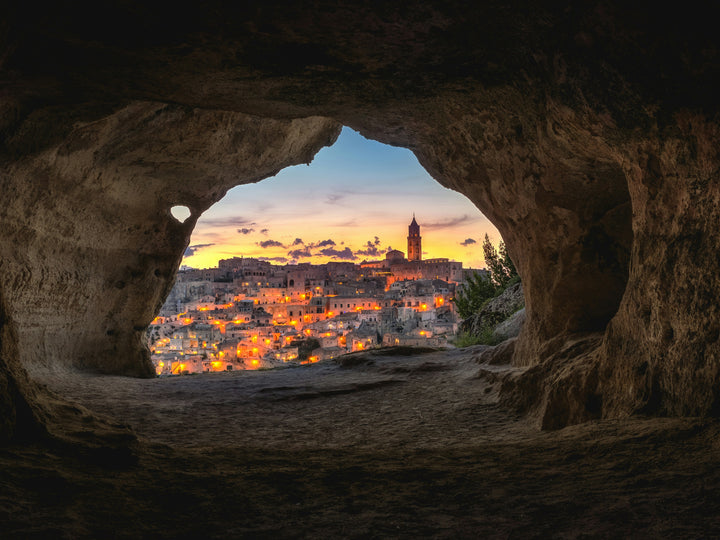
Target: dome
x: 394, y: 255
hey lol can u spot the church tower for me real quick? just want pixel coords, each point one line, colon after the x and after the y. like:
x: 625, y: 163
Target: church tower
x: 414, y: 241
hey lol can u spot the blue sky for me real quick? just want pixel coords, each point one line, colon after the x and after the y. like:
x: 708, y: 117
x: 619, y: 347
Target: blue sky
x: 353, y: 202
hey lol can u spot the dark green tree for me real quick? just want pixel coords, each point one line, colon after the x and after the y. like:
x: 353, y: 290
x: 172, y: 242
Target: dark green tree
x: 501, y: 268
x: 477, y: 289
x: 306, y: 347
x: 508, y: 264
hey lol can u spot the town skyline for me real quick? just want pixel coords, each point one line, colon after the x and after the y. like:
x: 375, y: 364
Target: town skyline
x: 352, y: 203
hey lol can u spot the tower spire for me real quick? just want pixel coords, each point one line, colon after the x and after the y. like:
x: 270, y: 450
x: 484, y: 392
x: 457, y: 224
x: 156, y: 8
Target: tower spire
x: 414, y: 241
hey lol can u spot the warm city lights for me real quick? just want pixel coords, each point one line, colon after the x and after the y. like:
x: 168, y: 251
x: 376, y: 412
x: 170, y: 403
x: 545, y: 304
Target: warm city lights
x: 248, y: 313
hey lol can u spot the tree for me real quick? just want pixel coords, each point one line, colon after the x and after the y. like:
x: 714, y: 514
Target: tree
x: 501, y: 268
x: 306, y: 347
x: 508, y: 264
x: 476, y: 290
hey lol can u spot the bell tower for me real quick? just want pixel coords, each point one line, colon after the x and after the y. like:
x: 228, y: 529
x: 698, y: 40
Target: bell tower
x: 414, y: 241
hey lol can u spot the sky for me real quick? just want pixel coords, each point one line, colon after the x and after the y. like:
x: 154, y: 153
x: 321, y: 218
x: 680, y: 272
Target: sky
x: 354, y: 202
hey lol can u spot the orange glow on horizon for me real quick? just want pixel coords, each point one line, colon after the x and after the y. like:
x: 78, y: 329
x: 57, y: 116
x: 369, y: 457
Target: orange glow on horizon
x: 389, y: 179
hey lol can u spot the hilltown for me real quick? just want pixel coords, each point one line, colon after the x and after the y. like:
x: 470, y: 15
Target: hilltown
x: 250, y: 314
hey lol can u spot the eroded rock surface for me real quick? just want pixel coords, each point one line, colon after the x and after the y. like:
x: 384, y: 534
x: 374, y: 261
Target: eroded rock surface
x: 587, y: 134
x: 496, y: 311
x: 100, y: 247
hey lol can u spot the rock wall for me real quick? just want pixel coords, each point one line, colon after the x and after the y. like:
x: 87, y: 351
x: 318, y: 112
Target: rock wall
x: 661, y: 353
x: 100, y: 248
x: 90, y: 249
x: 587, y: 134
x: 546, y: 178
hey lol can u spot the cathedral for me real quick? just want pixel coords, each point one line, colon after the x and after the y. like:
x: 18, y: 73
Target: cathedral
x: 414, y: 240
x: 395, y: 267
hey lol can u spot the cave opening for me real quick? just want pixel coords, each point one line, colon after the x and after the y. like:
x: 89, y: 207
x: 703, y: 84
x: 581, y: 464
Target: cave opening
x: 286, y: 408
x: 180, y: 213
x: 293, y: 245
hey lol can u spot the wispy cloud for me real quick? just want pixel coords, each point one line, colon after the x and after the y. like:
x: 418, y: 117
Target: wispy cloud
x: 264, y: 231
x: 324, y: 243
x: 467, y: 242
x: 245, y: 231
x: 270, y: 243
x: 349, y: 223
x: 190, y: 251
x: 227, y: 222
x: 450, y: 222
x: 335, y: 198
x: 298, y: 242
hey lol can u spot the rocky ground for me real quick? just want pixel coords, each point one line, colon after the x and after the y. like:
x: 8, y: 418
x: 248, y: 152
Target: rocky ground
x: 408, y: 446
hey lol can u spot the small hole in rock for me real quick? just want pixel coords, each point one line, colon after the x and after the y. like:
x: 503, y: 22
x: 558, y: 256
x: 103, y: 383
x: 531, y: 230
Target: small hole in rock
x: 181, y: 213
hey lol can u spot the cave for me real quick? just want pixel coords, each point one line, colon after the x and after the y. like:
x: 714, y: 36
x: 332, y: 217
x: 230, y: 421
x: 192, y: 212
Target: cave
x: 587, y: 134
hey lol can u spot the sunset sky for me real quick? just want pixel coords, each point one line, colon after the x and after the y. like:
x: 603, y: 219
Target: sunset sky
x: 353, y: 202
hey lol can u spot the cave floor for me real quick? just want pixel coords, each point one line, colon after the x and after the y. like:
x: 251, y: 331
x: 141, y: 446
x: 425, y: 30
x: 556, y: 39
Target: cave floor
x: 390, y: 446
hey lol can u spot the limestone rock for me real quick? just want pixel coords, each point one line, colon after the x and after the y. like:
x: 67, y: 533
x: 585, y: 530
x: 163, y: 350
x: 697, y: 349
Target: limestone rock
x: 496, y: 311
x: 501, y: 354
x: 511, y: 326
x: 587, y: 133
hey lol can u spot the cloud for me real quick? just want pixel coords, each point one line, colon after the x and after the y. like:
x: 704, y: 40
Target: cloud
x: 327, y: 242
x: 467, y: 242
x: 297, y: 242
x: 264, y: 231
x: 349, y: 223
x: 227, y: 222
x: 269, y: 243
x: 190, y: 251
x: 245, y: 231
x: 300, y: 253
x: 450, y: 222
x: 372, y: 248
x: 345, y: 254
x: 334, y: 198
